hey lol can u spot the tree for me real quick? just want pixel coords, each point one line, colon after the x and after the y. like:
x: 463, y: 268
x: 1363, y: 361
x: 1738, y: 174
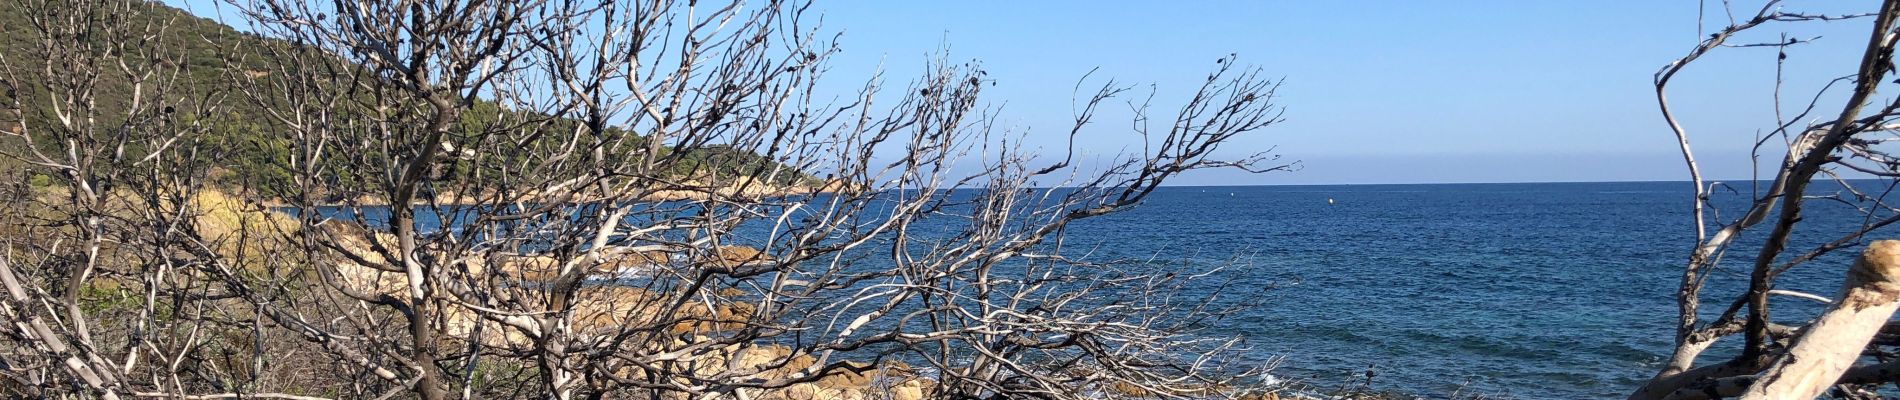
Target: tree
x: 616, y: 199
x: 96, y: 104
x: 1823, y: 141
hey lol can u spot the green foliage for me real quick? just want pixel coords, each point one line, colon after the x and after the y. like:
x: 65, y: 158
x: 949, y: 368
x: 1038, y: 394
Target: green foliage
x: 39, y: 180
x: 243, y: 150
x: 252, y: 157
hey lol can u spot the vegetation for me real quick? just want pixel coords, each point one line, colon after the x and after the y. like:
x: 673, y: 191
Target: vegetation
x: 210, y: 60
x: 200, y: 213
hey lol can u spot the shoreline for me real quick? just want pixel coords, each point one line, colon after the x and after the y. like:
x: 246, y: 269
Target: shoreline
x: 732, y: 192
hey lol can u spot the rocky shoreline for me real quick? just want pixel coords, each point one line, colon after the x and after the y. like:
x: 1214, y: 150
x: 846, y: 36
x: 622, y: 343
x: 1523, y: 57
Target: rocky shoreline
x: 686, y: 191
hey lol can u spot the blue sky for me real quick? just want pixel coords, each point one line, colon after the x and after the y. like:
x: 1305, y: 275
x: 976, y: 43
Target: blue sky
x: 1384, y: 92
x: 1376, y: 92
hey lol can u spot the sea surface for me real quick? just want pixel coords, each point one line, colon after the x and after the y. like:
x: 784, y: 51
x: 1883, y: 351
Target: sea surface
x: 1541, y: 290
x: 1534, y: 290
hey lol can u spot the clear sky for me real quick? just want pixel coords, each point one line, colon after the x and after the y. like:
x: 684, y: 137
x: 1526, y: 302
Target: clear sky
x: 1386, y: 91
x: 1377, y: 91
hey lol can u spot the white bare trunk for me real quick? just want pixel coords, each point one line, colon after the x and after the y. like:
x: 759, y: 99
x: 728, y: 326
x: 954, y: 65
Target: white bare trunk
x: 1827, y: 348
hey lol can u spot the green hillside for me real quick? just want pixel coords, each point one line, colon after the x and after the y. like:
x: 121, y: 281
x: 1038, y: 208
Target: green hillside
x: 206, y: 50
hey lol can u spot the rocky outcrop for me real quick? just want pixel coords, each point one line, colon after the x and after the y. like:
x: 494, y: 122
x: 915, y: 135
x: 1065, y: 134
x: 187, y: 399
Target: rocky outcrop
x: 746, y: 188
x: 355, y: 257
x: 622, y: 261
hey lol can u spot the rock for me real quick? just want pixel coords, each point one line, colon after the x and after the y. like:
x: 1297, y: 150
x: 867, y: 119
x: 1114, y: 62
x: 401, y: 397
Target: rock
x: 728, y: 257
x: 854, y: 375
x: 1128, y: 389
x: 535, y: 268
x: 913, y: 389
x: 808, y: 391
x: 1260, y: 396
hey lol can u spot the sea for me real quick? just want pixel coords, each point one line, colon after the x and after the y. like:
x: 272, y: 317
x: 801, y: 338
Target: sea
x: 1509, y: 290
x: 1518, y: 290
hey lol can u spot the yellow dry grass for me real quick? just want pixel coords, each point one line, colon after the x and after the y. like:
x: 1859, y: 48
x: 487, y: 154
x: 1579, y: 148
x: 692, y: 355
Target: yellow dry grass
x: 245, y: 233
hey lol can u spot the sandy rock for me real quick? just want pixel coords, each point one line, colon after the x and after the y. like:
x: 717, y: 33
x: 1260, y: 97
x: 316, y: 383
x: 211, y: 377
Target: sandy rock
x: 612, y: 262
x: 912, y: 389
x: 809, y: 391
x: 850, y: 377
x: 1260, y: 396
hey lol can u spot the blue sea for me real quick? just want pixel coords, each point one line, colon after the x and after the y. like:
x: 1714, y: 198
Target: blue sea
x: 1536, y: 290
x: 1532, y: 290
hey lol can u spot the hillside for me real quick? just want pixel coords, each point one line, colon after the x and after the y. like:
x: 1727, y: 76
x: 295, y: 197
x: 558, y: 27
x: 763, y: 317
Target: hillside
x: 206, y: 50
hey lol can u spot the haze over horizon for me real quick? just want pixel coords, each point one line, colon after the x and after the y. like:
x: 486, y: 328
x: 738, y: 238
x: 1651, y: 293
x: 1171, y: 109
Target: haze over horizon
x: 1483, y: 91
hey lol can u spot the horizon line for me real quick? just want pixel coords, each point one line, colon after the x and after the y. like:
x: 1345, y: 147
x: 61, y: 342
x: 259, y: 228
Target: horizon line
x: 1705, y: 181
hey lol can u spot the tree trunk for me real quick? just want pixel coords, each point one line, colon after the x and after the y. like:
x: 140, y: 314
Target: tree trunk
x: 1818, y: 357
